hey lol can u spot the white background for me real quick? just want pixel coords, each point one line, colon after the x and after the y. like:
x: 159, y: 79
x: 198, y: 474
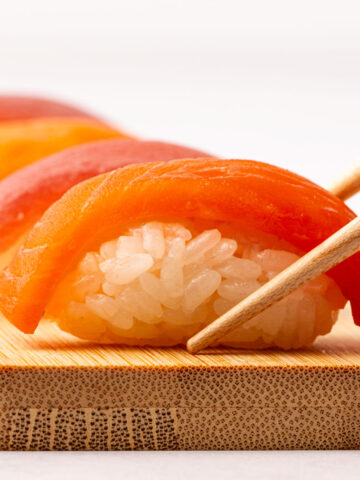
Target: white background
x: 272, y: 80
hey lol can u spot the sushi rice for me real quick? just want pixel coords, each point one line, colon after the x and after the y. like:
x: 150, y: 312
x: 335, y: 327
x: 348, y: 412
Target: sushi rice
x: 160, y: 282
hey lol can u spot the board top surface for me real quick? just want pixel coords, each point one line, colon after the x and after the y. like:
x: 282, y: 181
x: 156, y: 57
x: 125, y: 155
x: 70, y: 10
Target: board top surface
x: 49, y: 347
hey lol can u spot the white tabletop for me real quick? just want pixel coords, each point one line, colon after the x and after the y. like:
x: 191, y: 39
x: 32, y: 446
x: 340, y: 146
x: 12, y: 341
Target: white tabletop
x: 274, y: 81
x: 294, y: 465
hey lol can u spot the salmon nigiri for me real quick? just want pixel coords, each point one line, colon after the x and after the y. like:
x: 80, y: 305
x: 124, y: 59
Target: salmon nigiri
x: 20, y: 107
x: 28, y: 192
x: 150, y: 253
x: 25, y: 141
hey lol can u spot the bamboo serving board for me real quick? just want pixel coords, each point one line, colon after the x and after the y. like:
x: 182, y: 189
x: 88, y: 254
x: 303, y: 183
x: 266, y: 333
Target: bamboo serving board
x: 59, y: 393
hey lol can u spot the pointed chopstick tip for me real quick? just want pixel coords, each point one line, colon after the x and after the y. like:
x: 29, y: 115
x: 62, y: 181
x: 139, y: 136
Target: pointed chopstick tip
x: 339, y: 246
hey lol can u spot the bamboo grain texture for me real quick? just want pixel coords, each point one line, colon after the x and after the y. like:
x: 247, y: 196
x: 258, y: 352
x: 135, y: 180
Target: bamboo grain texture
x: 61, y: 393
x: 50, y: 347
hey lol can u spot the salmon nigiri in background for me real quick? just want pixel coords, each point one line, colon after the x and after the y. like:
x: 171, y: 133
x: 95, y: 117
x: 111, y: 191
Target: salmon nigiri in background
x: 29, y: 191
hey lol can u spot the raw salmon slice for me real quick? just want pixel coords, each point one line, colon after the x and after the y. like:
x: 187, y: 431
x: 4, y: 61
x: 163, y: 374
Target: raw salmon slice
x: 24, y: 142
x: 28, y: 192
x: 15, y: 107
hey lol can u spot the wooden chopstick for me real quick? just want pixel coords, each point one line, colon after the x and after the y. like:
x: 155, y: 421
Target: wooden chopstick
x: 341, y: 245
x: 348, y: 185
x: 289, y: 279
